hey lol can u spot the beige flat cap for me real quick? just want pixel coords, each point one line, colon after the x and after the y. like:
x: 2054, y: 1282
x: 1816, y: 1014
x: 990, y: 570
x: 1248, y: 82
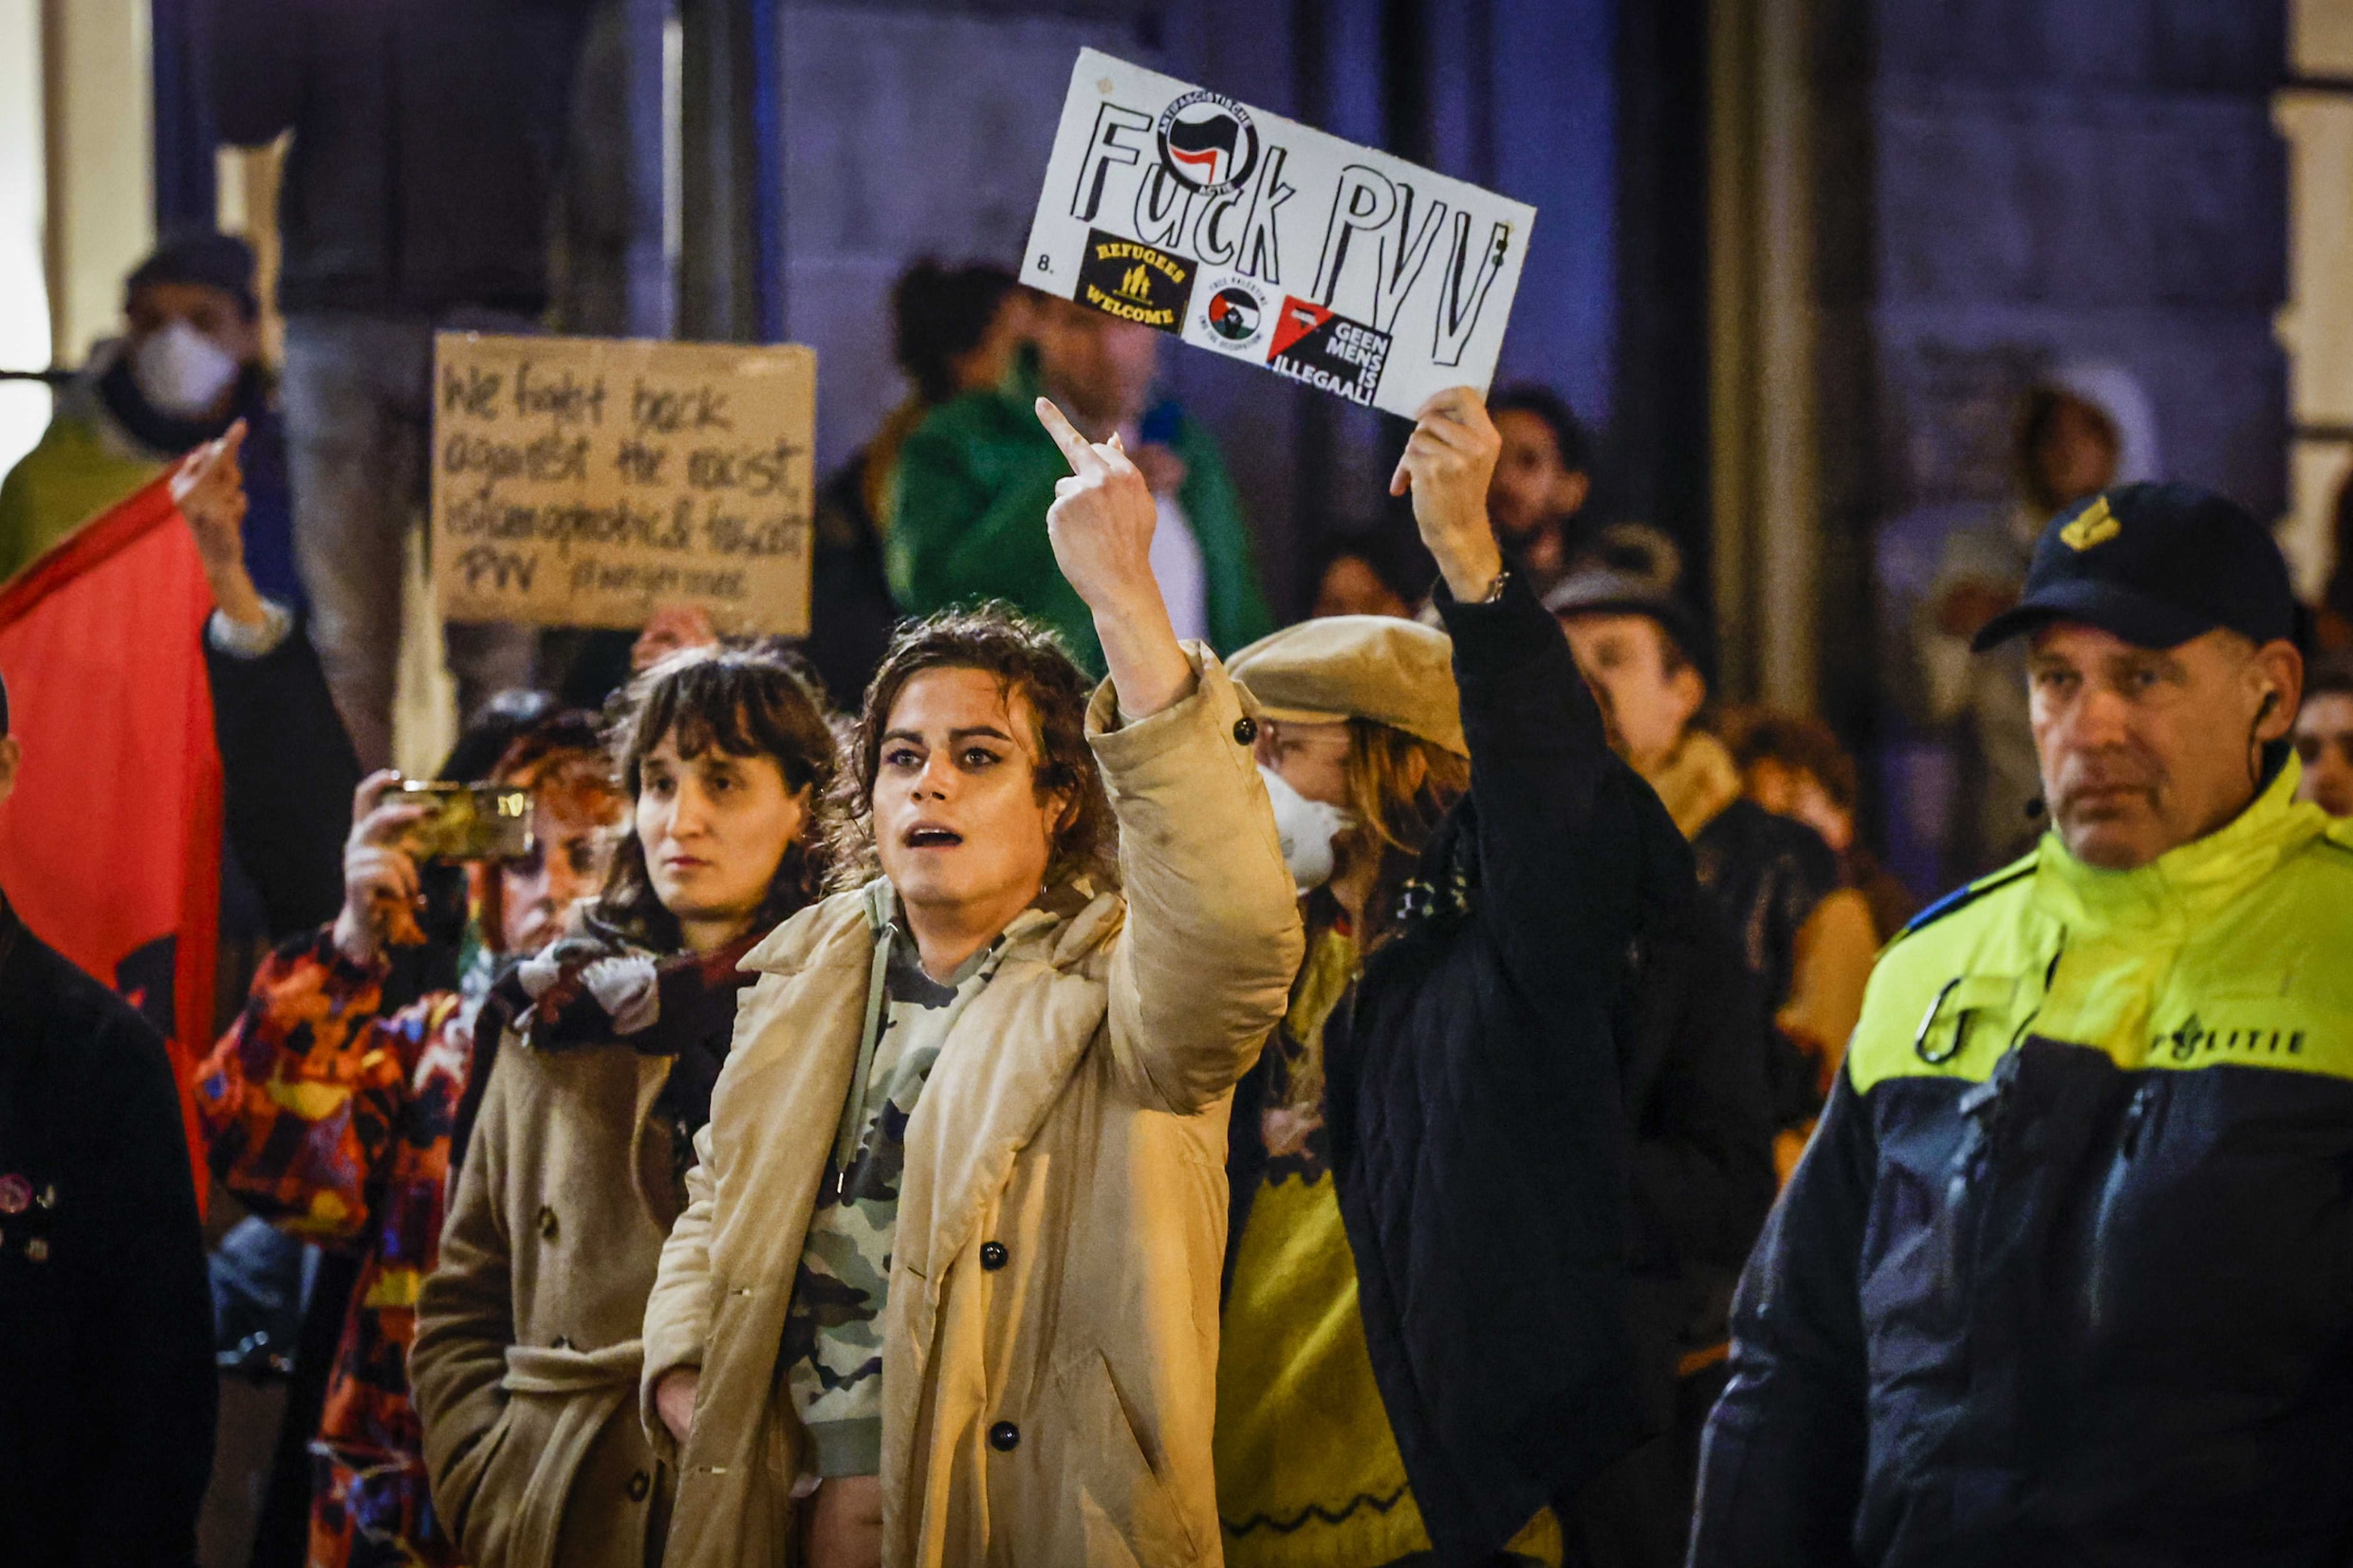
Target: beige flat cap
x: 1324, y: 670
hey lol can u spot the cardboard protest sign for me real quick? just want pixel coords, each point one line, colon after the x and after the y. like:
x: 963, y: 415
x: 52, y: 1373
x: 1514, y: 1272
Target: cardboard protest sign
x: 1254, y: 236
x: 589, y: 481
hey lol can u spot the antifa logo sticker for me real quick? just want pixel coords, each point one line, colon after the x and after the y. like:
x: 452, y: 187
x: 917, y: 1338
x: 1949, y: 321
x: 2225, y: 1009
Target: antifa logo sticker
x: 1340, y: 356
x: 1208, y: 141
x: 1234, y: 315
x: 1135, y: 282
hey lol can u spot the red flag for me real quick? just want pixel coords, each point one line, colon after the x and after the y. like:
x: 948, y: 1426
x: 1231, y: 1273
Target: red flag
x: 110, y: 848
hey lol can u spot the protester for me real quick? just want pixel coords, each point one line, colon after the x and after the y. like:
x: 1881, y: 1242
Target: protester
x: 2085, y: 428
x: 287, y: 766
x: 2062, y: 1277
x: 978, y: 476
x: 980, y: 1325
x: 107, y: 1382
x: 186, y: 367
x: 1452, y: 925
x: 1542, y: 480
x: 2325, y: 734
x: 954, y: 330
x: 1807, y: 941
x: 1368, y: 574
x: 426, y: 139
x: 526, y: 1348
x: 1793, y: 766
x: 335, y: 1106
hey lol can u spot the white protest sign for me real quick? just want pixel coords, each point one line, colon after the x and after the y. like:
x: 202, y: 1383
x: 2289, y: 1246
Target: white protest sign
x: 590, y: 481
x: 1258, y: 238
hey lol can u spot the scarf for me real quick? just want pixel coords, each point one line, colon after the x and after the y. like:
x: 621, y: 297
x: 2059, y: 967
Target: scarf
x: 1696, y: 782
x: 590, y: 990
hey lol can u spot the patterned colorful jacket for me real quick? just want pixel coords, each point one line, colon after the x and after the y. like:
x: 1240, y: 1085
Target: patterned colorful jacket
x: 334, y: 1121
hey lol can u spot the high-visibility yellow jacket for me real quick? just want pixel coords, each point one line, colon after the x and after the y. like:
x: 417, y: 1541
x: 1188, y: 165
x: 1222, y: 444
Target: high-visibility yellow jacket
x: 2067, y: 1274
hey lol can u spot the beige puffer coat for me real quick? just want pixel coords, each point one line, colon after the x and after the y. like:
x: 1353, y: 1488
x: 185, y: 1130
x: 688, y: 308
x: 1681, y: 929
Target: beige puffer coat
x: 1050, y: 1342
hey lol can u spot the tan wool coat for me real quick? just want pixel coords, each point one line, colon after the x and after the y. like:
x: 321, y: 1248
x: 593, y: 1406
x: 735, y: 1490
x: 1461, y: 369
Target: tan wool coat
x: 1051, y: 1341
x: 527, y: 1355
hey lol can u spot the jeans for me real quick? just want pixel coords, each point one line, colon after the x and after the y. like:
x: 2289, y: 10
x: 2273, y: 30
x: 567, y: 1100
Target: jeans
x: 358, y: 392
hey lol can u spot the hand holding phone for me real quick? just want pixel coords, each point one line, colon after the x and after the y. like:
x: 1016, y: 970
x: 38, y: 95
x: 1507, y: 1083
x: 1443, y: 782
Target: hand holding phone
x: 380, y: 882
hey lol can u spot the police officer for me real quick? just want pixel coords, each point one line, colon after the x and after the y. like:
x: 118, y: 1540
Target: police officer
x: 107, y: 1375
x: 2067, y: 1274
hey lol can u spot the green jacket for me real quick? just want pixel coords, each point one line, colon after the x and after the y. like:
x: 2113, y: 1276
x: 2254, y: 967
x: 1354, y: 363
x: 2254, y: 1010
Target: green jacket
x: 73, y: 474
x: 2067, y: 1272
x: 974, y: 482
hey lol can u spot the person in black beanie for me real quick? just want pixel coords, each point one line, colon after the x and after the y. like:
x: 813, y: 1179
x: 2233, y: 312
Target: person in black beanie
x: 107, y: 1388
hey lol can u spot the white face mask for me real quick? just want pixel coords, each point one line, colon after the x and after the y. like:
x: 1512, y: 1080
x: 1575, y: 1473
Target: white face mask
x: 1305, y: 829
x: 182, y: 372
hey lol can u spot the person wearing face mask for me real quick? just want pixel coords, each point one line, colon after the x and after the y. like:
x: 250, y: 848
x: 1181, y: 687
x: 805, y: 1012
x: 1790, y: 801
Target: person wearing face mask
x: 1482, y: 1046
x: 2066, y: 1273
x: 609, y: 1041
x: 975, y: 480
x: 338, y: 1104
x: 186, y: 367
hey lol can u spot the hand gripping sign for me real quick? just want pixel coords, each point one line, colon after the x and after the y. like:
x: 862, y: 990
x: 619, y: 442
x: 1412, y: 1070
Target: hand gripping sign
x: 1258, y: 238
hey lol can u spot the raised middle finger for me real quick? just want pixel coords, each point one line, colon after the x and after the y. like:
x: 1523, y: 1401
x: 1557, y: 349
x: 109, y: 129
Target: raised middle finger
x: 1082, y: 455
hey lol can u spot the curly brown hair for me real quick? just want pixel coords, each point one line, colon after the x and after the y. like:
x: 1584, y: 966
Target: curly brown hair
x: 746, y: 702
x: 1796, y: 741
x: 1028, y: 661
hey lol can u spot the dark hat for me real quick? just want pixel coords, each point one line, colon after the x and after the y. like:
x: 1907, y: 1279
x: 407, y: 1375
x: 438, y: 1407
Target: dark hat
x: 1603, y: 590
x: 2156, y: 564
x: 199, y: 256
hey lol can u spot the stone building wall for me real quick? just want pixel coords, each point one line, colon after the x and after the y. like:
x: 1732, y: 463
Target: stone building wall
x: 2052, y: 183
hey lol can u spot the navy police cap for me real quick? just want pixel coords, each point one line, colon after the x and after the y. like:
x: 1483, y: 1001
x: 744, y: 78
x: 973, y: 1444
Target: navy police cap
x: 2156, y: 564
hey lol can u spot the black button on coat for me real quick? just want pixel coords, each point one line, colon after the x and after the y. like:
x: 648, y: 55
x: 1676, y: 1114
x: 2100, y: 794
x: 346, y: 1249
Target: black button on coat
x: 107, y: 1386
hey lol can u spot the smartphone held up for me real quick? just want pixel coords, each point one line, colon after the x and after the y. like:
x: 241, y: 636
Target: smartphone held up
x: 469, y: 821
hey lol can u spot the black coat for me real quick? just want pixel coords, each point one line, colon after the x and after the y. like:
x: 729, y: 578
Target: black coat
x: 107, y: 1380
x: 427, y: 140
x: 1693, y: 1036
x: 287, y: 774
x: 1476, y: 1106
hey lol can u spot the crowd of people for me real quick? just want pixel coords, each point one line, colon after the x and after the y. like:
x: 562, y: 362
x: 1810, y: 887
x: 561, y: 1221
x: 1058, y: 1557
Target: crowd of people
x: 1309, y: 1106
x: 1057, y: 1068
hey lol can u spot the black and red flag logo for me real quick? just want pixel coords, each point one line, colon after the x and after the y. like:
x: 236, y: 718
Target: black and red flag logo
x: 1208, y: 141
